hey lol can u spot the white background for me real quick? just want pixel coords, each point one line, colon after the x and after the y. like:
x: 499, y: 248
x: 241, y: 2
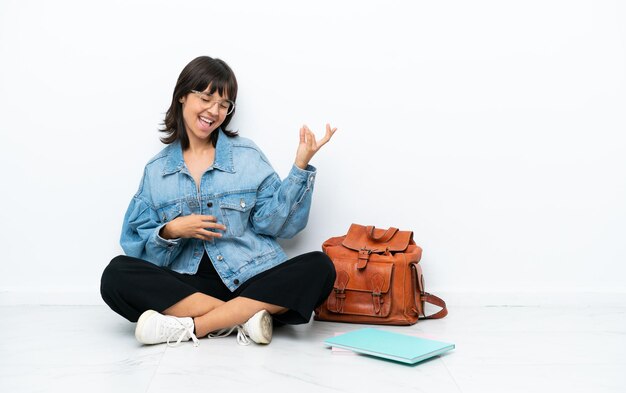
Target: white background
x: 494, y: 130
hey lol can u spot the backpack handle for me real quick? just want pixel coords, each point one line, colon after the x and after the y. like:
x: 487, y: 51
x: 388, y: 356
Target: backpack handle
x: 385, y: 237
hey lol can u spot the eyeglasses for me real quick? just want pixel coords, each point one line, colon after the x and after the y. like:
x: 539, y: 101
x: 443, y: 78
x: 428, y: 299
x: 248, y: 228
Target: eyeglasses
x: 227, y: 106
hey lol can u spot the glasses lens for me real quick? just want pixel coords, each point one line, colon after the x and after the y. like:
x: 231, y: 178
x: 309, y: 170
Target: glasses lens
x: 228, y: 106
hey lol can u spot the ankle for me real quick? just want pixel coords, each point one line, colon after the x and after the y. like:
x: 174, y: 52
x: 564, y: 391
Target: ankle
x: 200, y: 328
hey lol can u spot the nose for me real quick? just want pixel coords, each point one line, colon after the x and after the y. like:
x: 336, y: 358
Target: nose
x: 214, y: 108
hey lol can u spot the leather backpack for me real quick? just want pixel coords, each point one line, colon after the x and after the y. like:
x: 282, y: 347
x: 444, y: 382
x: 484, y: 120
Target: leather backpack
x: 379, y: 279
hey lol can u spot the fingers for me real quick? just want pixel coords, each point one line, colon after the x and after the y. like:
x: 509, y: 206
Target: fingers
x: 205, y: 227
x: 209, y: 231
x: 206, y: 218
x: 310, y: 139
x: 307, y: 137
x: 204, y: 234
x: 221, y: 227
x: 329, y: 134
x: 211, y: 222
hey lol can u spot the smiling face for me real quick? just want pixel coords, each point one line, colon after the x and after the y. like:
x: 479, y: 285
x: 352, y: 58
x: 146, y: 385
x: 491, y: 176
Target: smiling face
x: 193, y: 112
x: 203, y: 113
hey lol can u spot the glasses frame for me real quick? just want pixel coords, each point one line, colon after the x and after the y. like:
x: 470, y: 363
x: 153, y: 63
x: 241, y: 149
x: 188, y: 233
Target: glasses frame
x: 212, y: 102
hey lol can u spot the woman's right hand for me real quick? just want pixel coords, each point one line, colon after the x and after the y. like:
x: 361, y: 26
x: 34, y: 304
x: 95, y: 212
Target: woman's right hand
x: 192, y: 226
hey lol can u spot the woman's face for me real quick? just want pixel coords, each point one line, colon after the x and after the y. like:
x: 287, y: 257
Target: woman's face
x: 203, y: 113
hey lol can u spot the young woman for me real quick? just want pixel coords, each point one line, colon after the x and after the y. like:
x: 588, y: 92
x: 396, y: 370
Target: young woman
x: 200, y: 233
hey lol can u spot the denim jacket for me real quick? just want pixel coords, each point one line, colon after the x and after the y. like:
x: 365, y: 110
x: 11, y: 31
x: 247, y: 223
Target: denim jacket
x: 241, y: 189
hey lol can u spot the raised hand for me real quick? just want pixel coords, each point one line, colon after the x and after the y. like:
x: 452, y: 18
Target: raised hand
x: 309, y: 145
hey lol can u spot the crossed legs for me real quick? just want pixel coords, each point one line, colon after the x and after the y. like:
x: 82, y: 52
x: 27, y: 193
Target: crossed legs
x: 130, y: 286
x: 211, y: 314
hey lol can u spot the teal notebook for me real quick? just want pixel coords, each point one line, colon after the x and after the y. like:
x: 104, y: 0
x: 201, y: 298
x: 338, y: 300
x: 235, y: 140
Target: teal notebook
x: 389, y: 345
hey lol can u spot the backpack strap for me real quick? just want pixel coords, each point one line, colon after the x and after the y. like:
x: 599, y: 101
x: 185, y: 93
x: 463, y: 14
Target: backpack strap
x: 437, y: 301
x: 422, y: 296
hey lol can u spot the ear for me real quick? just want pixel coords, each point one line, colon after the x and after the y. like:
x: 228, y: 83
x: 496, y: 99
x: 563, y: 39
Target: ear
x: 181, y: 100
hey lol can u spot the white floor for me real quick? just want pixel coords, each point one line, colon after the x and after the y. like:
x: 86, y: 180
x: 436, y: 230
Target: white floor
x: 498, y: 349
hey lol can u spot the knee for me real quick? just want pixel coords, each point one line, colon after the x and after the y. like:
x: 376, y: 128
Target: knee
x: 111, y: 276
x: 115, y: 266
x: 326, y: 267
x: 324, y: 264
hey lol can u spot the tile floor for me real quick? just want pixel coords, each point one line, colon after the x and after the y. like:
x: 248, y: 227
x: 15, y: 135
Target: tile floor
x: 498, y: 349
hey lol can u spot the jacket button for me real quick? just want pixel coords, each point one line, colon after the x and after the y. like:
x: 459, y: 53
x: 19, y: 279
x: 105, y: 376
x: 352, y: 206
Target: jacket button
x: 219, y: 257
x: 236, y: 282
x: 209, y: 204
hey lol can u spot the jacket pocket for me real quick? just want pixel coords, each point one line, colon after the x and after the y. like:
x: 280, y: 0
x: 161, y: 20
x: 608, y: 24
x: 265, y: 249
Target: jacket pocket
x: 169, y: 212
x: 236, y: 210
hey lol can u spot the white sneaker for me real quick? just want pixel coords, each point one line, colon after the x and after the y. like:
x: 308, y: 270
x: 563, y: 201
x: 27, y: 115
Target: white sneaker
x: 155, y: 328
x: 258, y: 329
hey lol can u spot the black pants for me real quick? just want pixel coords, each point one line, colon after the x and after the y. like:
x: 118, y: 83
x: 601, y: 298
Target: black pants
x: 131, y: 286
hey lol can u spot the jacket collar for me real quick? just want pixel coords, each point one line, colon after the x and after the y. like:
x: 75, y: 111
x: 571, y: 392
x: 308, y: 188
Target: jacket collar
x: 223, y: 156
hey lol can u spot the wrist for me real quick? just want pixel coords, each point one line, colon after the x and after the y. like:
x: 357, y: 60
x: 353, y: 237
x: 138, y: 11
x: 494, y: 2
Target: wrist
x: 301, y: 165
x: 165, y: 232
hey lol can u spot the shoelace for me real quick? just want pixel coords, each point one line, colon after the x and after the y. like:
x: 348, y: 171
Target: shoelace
x: 242, y: 337
x: 182, y: 330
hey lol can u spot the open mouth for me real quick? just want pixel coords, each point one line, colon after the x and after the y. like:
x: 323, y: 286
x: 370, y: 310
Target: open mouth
x: 206, y: 121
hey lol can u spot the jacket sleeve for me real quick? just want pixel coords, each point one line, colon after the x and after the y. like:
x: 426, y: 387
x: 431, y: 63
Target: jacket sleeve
x: 282, y: 207
x: 140, y: 232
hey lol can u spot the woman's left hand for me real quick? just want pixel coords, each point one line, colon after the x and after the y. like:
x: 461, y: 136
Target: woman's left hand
x: 309, y: 146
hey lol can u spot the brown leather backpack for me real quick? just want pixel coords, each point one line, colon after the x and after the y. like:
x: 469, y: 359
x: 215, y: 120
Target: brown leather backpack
x: 379, y: 279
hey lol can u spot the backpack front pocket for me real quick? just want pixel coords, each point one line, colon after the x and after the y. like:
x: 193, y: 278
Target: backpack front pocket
x: 361, y: 291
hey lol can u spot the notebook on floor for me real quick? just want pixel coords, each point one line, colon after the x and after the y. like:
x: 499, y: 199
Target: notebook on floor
x: 389, y: 345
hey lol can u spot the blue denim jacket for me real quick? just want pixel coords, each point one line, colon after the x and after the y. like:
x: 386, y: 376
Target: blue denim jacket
x: 241, y: 189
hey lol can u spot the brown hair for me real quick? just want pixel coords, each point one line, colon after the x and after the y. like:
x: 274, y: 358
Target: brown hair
x: 200, y: 73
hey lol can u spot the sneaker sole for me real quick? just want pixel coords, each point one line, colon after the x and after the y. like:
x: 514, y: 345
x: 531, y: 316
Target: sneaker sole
x: 265, y: 336
x: 140, y: 324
